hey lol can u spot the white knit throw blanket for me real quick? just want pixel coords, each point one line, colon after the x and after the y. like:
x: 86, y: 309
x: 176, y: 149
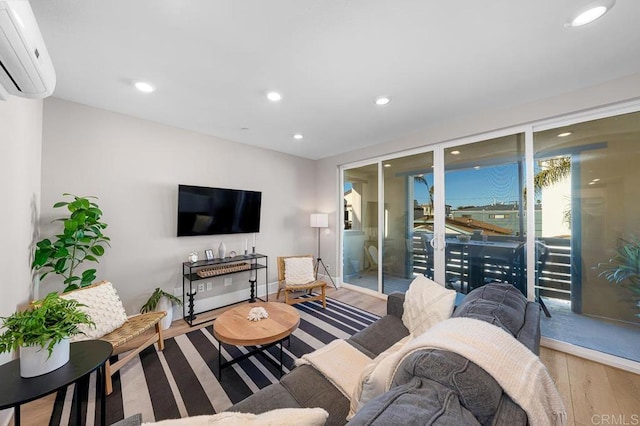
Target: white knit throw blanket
x: 340, y: 363
x: 519, y: 371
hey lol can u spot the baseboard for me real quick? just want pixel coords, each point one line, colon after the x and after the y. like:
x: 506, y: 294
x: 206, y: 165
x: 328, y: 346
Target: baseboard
x: 366, y: 291
x: 591, y: 355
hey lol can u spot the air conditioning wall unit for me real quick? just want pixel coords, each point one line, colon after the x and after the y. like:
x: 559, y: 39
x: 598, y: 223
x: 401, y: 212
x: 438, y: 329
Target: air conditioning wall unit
x: 26, y: 69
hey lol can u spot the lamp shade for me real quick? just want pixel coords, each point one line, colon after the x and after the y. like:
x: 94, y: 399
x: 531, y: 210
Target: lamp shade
x: 319, y: 220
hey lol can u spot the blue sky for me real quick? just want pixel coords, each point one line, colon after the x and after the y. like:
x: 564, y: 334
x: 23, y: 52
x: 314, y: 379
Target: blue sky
x: 472, y: 187
x: 476, y: 187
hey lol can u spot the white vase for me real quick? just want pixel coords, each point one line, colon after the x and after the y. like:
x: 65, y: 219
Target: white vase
x: 222, y: 250
x: 35, y: 360
x: 165, y: 305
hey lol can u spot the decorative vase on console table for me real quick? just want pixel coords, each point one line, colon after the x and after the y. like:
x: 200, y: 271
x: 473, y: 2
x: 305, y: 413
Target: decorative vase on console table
x: 222, y: 250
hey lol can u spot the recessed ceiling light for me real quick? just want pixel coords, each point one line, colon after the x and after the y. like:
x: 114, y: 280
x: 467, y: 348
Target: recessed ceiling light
x: 456, y: 152
x: 564, y: 135
x: 144, y: 87
x: 476, y: 167
x: 592, y: 183
x: 595, y: 180
x: 274, y: 96
x: 298, y: 136
x: 382, y: 100
x: 589, y: 14
x: 387, y: 165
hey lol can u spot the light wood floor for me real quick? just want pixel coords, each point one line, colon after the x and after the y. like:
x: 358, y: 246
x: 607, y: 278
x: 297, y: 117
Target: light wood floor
x: 593, y: 394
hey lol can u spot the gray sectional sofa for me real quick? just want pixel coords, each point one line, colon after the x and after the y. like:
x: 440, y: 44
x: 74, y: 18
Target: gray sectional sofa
x: 431, y: 386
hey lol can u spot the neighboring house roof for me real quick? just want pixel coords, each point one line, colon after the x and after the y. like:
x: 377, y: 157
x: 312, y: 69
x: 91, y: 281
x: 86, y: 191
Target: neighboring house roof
x: 494, y: 207
x: 463, y: 226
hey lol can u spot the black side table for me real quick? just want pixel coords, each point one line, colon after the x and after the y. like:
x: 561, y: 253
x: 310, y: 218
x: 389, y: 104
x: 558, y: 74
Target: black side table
x: 84, y: 358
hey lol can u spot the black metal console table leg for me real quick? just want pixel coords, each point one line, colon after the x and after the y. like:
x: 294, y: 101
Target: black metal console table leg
x: 16, y: 415
x: 192, y: 315
x: 252, y: 299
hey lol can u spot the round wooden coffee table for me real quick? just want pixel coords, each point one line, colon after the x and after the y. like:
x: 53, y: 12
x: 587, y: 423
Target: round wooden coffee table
x: 233, y: 327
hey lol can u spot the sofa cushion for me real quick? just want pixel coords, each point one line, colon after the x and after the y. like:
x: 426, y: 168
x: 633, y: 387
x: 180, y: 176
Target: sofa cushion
x: 426, y: 304
x: 419, y: 402
x: 268, y: 398
x: 278, y: 417
x: 379, y: 336
x: 478, y: 392
x: 375, y: 376
x: 500, y: 304
x: 311, y: 389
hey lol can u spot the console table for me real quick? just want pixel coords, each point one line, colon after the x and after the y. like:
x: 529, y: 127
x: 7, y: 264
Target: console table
x: 210, y: 269
x: 84, y: 358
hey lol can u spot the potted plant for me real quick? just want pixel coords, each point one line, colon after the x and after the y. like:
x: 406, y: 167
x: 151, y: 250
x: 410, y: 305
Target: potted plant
x: 81, y: 240
x: 160, y: 300
x: 46, y: 324
x: 624, y: 267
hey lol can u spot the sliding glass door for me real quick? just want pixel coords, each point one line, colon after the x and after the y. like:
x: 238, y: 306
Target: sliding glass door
x: 587, y: 179
x: 360, y: 256
x: 463, y: 215
x: 407, y: 219
x: 485, y: 213
x: 385, y: 232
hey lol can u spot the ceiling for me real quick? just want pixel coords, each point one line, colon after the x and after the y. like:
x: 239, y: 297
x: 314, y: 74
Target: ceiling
x: 212, y: 62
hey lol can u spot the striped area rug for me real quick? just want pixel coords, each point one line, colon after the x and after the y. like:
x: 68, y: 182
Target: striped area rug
x: 181, y: 381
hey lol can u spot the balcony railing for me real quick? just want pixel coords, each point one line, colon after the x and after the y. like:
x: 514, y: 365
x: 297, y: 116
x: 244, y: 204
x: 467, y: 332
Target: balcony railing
x: 554, y: 278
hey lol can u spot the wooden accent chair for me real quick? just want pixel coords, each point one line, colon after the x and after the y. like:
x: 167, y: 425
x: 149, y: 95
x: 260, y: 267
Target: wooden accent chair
x: 123, y: 338
x: 308, y: 287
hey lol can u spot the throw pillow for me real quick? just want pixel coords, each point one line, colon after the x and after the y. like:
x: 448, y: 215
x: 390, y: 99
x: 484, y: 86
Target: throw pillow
x: 282, y: 416
x: 104, y: 307
x: 374, y: 377
x: 298, y: 270
x: 426, y: 303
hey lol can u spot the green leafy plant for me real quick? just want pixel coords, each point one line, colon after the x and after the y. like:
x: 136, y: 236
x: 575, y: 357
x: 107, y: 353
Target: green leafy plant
x: 155, y: 297
x: 45, y: 323
x: 624, y: 267
x: 81, y: 240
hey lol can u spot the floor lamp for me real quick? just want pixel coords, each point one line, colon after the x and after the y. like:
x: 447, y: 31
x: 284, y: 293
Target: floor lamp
x: 321, y: 220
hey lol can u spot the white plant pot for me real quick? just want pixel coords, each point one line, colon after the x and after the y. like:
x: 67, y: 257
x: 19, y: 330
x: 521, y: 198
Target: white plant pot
x: 35, y: 360
x: 165, y: 304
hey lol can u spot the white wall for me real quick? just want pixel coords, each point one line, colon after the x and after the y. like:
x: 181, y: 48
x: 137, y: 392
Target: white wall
x: 615, y: 91
x: 20, y: 150
x: 134, y: 167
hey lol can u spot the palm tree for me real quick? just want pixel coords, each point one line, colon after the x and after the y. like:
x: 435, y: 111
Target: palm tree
x: 423, y: 180
x: 556, y: 169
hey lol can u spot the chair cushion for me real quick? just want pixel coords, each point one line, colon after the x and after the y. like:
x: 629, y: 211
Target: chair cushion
x: 103, y: 305
x: 426, y: 303
x: 298, y: 270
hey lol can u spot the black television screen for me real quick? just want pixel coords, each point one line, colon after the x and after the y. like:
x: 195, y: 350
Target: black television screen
x: 215, y: 211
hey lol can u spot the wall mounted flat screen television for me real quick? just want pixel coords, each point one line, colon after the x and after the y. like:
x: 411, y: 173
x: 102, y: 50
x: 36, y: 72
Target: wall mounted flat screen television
x: 216, y: 211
